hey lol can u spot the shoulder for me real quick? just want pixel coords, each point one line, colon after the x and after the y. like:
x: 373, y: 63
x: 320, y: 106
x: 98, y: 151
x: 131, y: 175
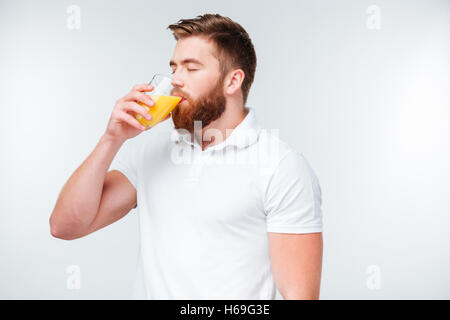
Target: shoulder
x: 281, y: 160
x: 274, y: 151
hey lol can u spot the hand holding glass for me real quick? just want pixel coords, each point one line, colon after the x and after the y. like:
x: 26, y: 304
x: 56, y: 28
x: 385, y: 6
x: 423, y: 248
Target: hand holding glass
x: 164, y: 101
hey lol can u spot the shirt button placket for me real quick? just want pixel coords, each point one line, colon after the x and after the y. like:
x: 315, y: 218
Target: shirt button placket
x: 196, y: 167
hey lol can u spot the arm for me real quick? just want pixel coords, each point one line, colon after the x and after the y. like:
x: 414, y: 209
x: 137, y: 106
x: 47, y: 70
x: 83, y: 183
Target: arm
x: 93, y: 198
x: 297, y: 264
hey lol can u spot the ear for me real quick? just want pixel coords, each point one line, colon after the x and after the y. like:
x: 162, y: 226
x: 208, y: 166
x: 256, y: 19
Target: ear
x: 233, y: 81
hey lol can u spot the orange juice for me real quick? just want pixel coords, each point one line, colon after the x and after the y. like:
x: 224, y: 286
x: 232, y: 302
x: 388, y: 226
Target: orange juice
x: 162, y: 107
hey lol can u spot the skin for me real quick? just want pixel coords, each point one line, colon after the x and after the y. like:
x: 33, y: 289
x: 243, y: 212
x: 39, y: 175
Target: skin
x: 296, y: 261
x: 94, y: 198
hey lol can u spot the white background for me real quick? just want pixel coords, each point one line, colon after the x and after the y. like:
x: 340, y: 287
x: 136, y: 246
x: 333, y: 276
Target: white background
x: 368, y: 108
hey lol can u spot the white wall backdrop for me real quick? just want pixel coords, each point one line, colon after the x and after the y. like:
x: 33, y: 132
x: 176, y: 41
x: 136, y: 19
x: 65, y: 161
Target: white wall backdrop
x: 361, y: 88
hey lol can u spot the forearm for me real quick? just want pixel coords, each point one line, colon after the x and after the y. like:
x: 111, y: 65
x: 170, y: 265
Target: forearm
x: 79, y: 199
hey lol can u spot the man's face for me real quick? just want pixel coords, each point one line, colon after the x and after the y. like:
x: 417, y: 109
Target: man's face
x: 198, y: 79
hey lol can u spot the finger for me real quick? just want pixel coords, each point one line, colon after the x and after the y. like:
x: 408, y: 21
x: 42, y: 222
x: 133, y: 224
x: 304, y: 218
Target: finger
x: 140, y: 97
x: 143, y: 87
x: 129, y: 119
x: 133, y: 106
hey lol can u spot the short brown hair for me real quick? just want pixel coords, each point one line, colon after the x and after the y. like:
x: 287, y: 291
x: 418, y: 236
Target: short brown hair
x: 234, y: 48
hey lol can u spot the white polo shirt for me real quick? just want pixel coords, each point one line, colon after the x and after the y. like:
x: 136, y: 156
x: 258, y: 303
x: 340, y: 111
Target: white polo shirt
x: 204, y: 215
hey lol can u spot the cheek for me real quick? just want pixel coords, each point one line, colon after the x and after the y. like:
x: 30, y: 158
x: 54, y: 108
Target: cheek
x: 201, y: 83
x: 206, y: 87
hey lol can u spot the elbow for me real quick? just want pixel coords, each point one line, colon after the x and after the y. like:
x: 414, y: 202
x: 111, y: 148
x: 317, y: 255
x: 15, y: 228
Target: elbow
x: 58, y: 233
x: 61, y: 231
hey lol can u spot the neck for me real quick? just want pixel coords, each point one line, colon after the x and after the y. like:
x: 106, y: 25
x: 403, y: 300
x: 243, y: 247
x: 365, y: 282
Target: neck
x: 220, y: 129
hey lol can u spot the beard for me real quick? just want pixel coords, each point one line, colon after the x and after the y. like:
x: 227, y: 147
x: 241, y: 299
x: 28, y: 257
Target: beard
x: 206, y: 109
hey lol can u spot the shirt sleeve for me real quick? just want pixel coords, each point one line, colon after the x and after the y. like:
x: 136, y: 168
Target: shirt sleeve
x: 125, y: 162
x: 293, y: 197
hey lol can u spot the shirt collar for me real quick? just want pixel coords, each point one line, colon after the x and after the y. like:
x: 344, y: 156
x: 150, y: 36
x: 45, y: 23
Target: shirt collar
x: 244, y: 134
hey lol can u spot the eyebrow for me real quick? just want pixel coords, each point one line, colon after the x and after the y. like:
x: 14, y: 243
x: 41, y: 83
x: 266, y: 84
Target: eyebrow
x: 185, y: 61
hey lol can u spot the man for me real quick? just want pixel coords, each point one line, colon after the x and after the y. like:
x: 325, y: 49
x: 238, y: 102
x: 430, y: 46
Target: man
x: 209, y: 229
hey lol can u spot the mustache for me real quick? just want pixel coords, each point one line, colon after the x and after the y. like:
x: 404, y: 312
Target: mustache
x: 181, y: 94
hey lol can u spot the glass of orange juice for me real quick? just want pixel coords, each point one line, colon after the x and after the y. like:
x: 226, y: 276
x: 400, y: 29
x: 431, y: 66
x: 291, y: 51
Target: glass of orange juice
x: 164, y: 101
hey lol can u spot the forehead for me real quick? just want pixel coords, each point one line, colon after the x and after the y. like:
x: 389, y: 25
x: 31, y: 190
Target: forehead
x: 194, y: 48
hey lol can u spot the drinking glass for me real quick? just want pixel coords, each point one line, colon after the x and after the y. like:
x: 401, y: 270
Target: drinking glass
x: 164, y: 101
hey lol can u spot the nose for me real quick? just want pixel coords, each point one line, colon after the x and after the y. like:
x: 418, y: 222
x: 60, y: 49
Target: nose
x: 176, y: 81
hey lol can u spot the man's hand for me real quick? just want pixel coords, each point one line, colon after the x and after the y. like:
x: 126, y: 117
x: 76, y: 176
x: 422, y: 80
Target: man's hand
x: 122, y: 124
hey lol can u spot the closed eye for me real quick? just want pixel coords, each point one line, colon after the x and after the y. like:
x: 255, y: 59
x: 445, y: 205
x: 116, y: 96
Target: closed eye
x: 173, y: 71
